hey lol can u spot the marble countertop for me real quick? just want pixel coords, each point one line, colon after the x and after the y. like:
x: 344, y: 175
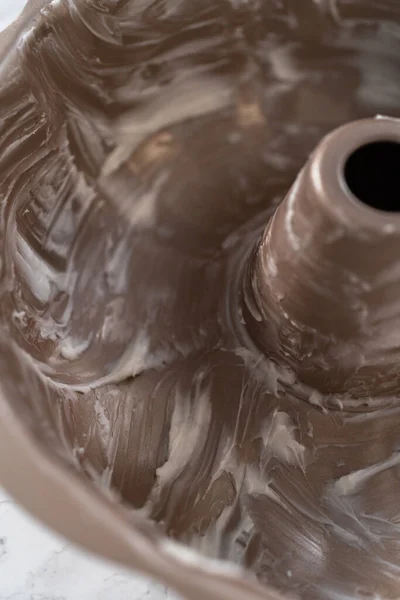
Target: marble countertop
x: 36, y: 564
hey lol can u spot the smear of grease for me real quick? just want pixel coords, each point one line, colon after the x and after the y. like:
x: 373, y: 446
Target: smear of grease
x: 144, y: 147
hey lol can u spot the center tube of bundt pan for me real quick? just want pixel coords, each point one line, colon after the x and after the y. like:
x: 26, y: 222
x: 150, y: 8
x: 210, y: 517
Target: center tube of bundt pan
x: 325, y: 277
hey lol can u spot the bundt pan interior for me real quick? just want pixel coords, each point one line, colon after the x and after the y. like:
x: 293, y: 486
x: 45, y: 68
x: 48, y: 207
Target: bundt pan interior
x: 200, y: 289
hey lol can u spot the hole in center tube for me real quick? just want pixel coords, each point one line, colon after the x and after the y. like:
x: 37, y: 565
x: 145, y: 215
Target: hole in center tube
x: 372, y: 174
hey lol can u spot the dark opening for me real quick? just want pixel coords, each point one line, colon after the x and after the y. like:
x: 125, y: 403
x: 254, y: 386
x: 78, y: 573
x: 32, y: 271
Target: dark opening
x: 372, y: 173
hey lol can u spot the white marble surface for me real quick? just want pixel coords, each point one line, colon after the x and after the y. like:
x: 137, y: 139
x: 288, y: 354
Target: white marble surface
x: 9, y: 9
x: 35, y: 564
